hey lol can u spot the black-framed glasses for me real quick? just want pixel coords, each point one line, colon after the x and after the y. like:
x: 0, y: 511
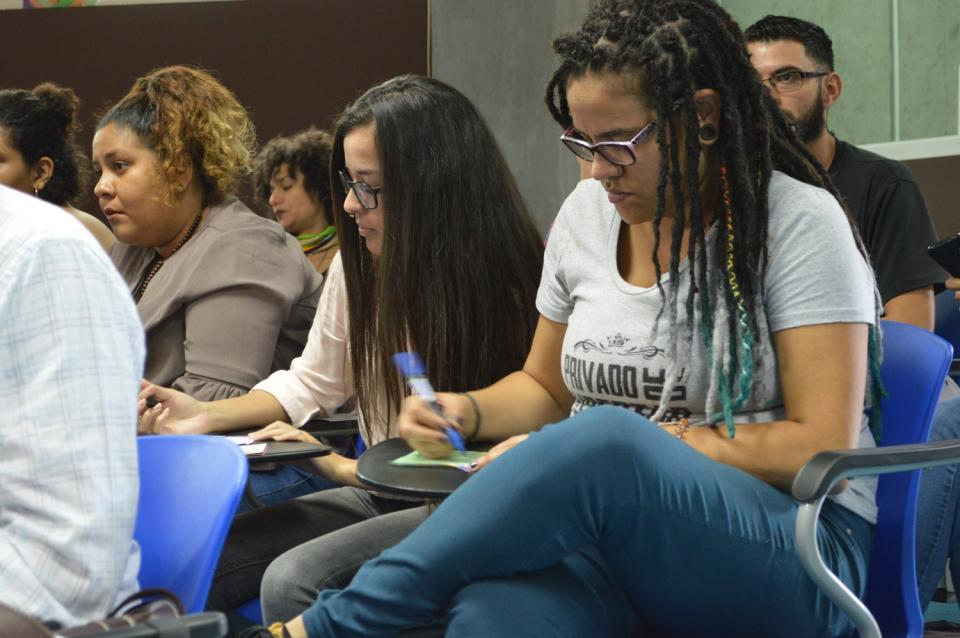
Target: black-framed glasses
x: 365, y: 193
x: 619, y: 153
x: 791, y: 79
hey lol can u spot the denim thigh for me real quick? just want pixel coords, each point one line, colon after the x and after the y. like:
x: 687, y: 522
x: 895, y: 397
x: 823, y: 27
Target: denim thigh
x: 282, y: 483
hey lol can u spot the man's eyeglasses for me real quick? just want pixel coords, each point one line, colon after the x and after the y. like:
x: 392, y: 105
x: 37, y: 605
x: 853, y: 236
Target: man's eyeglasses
x: 791, y: 80
x: 619, y: 153
x: 365, y: 193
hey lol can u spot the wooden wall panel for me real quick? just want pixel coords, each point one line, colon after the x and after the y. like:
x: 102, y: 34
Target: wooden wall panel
x: 939, y: 180
x: 291, y: 62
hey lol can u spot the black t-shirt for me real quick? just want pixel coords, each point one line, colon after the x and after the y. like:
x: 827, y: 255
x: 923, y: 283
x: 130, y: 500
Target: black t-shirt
x: 892, y: 217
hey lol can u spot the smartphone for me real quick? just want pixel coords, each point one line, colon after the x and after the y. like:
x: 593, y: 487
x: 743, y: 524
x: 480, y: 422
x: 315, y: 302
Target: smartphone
x: 947, y: 254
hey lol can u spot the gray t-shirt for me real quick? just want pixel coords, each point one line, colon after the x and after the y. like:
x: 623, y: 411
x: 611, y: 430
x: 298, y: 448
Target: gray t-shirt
x: 815, y: 275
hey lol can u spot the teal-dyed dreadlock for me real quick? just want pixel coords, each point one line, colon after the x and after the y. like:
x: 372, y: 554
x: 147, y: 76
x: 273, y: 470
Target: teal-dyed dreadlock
x: 876, y: 392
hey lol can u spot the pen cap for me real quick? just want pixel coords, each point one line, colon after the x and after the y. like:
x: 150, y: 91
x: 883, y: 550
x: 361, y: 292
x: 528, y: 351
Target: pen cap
x: 409, y: 364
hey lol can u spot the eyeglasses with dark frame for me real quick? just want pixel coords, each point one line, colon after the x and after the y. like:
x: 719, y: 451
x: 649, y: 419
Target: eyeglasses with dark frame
x: 365, y: 193
x: 618, y: 153
x: 791, y: 80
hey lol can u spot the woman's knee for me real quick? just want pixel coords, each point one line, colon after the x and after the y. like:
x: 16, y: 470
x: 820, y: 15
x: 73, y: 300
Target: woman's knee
x: 604, y: 435
x: 576, y: 597
x: 285, y: 580
x: 328, y: 562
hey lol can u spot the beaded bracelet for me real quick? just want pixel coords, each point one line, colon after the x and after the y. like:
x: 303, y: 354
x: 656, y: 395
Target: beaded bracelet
x: 681, y: 427
x: 476, y: 413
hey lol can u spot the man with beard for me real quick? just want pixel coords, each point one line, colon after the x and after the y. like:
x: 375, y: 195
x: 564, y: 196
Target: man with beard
x: 795, y: 61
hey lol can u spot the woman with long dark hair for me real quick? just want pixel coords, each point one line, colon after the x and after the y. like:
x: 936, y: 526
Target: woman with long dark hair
x: 708, y: 318
x: 437, y: 253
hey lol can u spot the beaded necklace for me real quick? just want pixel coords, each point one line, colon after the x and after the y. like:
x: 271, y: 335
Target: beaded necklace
x: 314, y: 242
x: 157, y: 262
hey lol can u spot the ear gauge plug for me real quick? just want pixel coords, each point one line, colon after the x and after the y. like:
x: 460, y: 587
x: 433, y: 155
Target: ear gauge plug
x: 708, y: 134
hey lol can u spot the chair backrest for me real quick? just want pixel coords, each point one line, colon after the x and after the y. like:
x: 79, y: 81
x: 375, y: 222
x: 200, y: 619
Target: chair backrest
x: 914, y: 366
x: 948, y: 317
x: 948, y: 320
x: 189, y: 490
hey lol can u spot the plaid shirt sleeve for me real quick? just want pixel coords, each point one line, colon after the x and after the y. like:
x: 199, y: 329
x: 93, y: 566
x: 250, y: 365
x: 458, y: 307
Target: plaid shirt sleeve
x: 71, y: 355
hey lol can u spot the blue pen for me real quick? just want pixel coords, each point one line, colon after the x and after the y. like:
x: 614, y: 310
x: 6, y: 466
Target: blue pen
x: 411, y: 367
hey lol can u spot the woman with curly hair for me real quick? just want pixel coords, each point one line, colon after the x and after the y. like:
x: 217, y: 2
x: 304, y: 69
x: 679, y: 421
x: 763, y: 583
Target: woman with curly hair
x: 292, y: 174
x: 38, y: 150
x: 226, y: 297
x: 707, y: 324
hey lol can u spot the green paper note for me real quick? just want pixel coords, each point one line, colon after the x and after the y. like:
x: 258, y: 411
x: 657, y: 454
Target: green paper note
x: 457, y: 460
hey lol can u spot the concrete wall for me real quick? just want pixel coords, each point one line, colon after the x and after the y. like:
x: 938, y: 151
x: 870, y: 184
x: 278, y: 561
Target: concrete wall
x: 923, y: 43
x: 300, y: 71
x: 929, y: 68
x: 497, y: 52
x: 864, y: 32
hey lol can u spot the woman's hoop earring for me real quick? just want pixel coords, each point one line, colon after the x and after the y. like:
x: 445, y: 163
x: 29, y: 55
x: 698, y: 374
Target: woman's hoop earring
x: 708, y: 134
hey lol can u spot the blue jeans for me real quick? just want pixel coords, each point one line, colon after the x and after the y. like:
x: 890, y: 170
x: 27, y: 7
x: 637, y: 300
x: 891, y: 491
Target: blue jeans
x: 605, y: 525
x: 938, y: 517
x: 282, y: 484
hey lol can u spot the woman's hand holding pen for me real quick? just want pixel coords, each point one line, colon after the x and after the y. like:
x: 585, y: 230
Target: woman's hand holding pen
x: 167, y: 411
x: 423, y: 429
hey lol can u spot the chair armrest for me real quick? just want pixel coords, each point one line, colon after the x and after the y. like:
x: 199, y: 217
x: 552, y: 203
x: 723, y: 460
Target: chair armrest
x: 824, y: 470
x: 208, y: 624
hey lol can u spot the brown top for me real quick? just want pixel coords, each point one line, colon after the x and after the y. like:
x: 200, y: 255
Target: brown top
x: 232, y: 305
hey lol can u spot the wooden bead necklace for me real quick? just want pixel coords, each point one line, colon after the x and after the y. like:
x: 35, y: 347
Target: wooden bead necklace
x: 157, y: 262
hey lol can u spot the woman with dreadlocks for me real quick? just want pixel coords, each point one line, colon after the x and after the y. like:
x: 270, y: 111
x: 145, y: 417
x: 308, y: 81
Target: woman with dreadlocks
x: 707, y: 280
